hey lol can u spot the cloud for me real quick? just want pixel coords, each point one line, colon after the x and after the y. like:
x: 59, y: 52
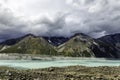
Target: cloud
x: 98, y: 16
x: 10, y: 25
x: 65, y: 18
x: 50, y: 25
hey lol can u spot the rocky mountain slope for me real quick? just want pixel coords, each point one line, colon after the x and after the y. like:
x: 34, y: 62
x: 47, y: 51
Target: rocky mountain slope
x: 56, y: 41
x: 113, y: 39
x: 29, y: 44
x: 78, y: 45
x: 85, y: 46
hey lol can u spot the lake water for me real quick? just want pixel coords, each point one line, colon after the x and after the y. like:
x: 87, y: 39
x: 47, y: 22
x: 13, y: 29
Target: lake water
x: 34, y: 64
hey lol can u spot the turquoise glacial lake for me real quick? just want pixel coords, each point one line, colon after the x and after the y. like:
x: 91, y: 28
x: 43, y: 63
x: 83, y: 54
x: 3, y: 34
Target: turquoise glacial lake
x: 35, y: 64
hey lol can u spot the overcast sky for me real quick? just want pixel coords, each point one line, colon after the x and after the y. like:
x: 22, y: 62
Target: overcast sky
x: 59, y: 17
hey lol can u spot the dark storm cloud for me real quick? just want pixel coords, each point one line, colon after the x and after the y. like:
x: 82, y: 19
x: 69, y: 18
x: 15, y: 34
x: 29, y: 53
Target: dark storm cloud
x: 98, y: 16
x: 10, y: 25
x: 53, y: 26
x: 93, y: 17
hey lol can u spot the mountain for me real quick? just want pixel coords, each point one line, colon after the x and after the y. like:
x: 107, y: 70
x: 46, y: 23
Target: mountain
x: 56, y: 41
x: 28, y: 44
x: 81, y: 45
x: 10, y: 42
x: 113, y: 39
x: 78, y: 45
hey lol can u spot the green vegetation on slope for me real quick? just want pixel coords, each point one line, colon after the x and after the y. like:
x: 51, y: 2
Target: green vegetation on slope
x: 31, y: 45
x: 85, y: 46
x: 78, y: 46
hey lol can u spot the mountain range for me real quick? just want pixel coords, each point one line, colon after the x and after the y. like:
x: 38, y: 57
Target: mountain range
x: 78, y: 45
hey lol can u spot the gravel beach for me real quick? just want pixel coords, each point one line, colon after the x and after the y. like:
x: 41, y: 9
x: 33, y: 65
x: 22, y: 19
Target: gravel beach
x: 56, y: 73
x: 65, y: 73
x: 17, y: 56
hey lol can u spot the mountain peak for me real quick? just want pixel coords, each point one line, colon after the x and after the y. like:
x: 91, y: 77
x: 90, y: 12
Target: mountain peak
x: 77, y: 34
x: 56, y: 41
x: 81, y: 35
x: 113, y: 39
x: 27, y: 35
x: 15, y: 40
x: 79, y: 45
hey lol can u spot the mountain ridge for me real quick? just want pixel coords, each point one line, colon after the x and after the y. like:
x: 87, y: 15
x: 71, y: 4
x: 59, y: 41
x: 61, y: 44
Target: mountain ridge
x: 78, y: 45
x: 113, y: 39
x: 30, y: 44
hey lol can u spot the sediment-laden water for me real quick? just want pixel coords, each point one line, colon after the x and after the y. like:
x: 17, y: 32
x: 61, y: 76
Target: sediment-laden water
x: 34, y: 64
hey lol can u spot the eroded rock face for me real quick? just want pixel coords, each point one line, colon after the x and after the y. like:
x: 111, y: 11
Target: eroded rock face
x: 66, y: 73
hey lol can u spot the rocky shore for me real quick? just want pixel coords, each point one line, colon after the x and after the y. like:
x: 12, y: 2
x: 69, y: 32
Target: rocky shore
x: 66, y: 73
x: 17, y: 56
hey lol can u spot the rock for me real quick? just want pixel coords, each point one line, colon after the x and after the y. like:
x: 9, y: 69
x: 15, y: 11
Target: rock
x: 51, y: 69
x: 66, y: 73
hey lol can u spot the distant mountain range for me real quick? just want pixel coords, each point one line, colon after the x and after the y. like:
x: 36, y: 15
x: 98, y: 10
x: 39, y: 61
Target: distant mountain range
x: 113, y: 39
x: 78, y: 45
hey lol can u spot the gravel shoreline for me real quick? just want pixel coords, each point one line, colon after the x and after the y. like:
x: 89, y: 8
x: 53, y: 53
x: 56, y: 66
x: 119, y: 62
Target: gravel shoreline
x: 56, y: 73
x: 65, y: 73
x: 16, y: 56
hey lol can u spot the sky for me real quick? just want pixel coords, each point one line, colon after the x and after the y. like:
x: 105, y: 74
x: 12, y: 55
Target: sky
x: 95, y: 18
